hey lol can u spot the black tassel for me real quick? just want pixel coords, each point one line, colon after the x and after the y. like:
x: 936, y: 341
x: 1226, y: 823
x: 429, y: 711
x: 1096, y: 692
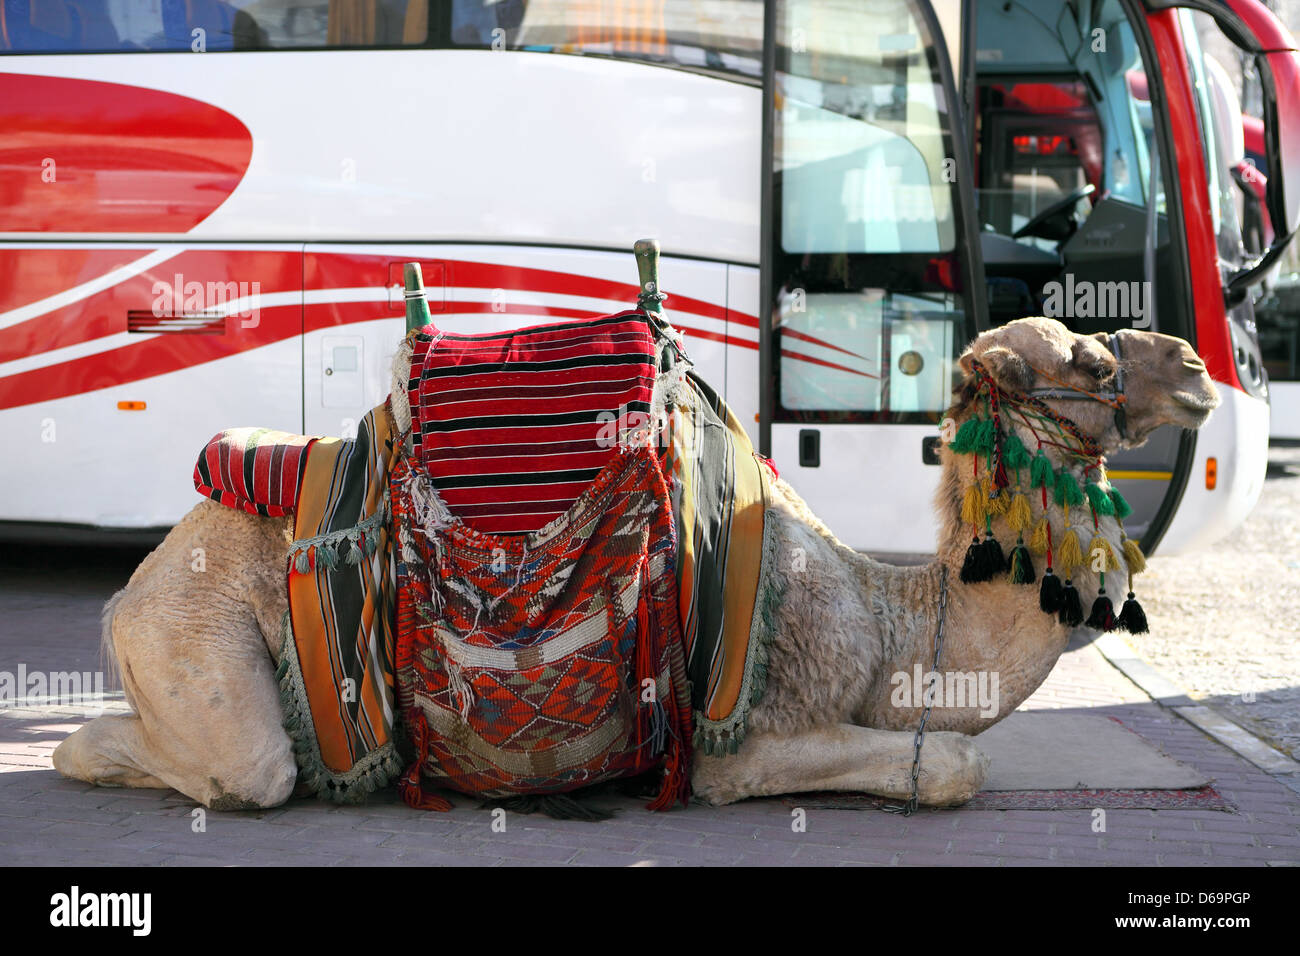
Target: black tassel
x: 972, y: 567
x: 995, y: 562
x: 1131, y: 617
x: 1050, y: 594
x: 1022, y: 565
x: 1071, y: 612
x: 1102, y: 617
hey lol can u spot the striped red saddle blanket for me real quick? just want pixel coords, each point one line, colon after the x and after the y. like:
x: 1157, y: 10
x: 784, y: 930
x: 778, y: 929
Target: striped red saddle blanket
x: 257, y: 470
x: 512, y: 427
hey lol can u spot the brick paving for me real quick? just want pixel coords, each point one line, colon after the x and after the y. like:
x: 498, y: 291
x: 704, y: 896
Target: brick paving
x: 45, y: 819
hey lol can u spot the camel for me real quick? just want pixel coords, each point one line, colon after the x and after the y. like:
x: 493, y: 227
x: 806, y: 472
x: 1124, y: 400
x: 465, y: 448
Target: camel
x: 197, y: 651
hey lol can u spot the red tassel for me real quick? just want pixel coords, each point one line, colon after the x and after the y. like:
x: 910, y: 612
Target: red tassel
x: 410, y: 786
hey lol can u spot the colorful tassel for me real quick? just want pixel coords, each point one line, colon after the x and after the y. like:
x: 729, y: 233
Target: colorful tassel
x: 1041, y: 474
x: 995, y: 561
x: 1014, y: 452
x: 1022, y: 566
x: 1102, y: 617
x: 1067, y: 491
x: 986, y: 436
x: 1133, y: 557
x: 963, y: 442
x: 1069, y: 555
x: 1020, y: 516
x: 972, y: 568
x: 1131, y: 616
x: 1122, y: 508
x: 1110, y: 562
x: 1071, y: 612
x: 1101, y: 501
x: 974, y: 506
x: 1038, y: 540
x: 301, y: 564
x: 1050, y: 593
x: 999, y: 502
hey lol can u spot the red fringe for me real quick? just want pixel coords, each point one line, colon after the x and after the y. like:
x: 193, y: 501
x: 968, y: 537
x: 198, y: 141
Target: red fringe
x: 410, y: 786
x: 647, y: 654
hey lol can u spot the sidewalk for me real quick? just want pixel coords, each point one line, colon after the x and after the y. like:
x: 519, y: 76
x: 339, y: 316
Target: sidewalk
x: 45, y: 819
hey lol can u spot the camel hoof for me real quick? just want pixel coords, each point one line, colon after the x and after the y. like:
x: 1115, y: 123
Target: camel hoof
x: 953, y: 769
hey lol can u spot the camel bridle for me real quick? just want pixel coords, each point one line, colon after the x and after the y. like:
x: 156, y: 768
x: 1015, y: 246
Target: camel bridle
x: 1113, y: 396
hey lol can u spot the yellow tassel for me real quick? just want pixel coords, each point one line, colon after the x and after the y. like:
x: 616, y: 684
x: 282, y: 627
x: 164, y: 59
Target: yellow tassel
x: 973, y: 506
x: 1019, y: 517
x: 1133, y: 557
x: 998, y: 505
x: 1038, y: 541
x: 1069, y: 555
x: 1111, y: 562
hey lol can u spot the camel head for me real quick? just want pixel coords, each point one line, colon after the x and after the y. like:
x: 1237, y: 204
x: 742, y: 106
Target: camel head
x: 1165, y: 381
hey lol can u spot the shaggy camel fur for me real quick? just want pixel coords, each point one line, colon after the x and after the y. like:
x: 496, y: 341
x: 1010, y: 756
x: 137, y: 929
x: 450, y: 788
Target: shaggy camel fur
x: 197, y: 651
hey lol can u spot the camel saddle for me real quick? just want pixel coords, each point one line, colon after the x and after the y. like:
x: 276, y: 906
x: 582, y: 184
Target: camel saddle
x: 558, y: 575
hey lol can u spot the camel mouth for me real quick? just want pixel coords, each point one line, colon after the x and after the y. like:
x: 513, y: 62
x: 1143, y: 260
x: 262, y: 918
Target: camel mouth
x: 1197, y: 401
x: 1195, y: 407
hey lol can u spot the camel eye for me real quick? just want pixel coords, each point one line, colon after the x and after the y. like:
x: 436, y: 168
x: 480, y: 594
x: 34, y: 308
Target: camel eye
x: 1099, y: 373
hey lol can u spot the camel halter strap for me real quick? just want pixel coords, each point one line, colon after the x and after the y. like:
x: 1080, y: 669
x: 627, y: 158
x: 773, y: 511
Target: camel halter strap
x: 1113, y: 396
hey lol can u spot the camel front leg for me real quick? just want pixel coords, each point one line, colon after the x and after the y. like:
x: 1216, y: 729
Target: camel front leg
x: 844, y: 757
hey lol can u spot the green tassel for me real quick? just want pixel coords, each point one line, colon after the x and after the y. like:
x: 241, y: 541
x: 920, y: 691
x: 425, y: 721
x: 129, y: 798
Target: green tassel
x: 1041, y: 474
x: 301, y: 564
x: 327, y: 556
x: 987, y: 436
x: 964, y: 441
x: 1014, y: 453
x: 1099, y: 500
x: 1067, y: 490
x: 1122, y: 508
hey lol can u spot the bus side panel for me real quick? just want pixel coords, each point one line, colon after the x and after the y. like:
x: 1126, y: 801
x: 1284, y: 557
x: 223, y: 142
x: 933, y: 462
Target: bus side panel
x: 117, y: 364
x: 413, y: 145
x: 355, y: 310
x: 1236, y: 436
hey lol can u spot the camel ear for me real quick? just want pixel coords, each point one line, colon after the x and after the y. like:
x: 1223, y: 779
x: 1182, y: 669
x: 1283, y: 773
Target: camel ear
x: 1008, y: 369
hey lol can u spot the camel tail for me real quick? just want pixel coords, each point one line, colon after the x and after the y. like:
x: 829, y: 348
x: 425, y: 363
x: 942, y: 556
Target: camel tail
x: 107, y: 652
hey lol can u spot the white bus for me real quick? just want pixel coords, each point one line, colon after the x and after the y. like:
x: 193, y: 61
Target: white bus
x: 205, y: 206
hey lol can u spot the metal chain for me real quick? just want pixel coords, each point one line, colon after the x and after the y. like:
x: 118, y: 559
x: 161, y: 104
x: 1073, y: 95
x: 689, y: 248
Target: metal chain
x: 908, y: 808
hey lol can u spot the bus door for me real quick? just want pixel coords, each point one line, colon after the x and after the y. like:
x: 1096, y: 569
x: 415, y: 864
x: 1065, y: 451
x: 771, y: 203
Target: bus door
x: 870, y: 276
x: 1082, y: 114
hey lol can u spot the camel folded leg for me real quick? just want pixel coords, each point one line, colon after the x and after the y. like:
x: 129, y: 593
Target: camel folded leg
x: 844, y: 757
x: 192, y: 642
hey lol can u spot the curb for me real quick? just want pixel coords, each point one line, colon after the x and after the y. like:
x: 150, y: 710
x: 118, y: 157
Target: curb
x: 1164, y: 692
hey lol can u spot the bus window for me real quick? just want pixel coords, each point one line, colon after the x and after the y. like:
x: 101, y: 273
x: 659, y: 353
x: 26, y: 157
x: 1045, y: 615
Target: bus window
x: 88, y: 26
x: 870, y: 310
x: 713, y: 36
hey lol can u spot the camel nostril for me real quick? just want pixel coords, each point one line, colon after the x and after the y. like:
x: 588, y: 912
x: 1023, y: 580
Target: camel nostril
x: 1195, y: 364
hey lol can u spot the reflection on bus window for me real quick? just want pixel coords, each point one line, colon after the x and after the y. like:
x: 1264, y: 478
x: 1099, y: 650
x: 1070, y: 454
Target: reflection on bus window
x: 870, y: 311
x: 66, y: 26
x: 895, y: 351
x: 722, y: 36
x: 859, y: 145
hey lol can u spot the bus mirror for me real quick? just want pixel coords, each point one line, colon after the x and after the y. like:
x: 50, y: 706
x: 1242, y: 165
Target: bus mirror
x: 1285, y: 139
x: 1282, y: 141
